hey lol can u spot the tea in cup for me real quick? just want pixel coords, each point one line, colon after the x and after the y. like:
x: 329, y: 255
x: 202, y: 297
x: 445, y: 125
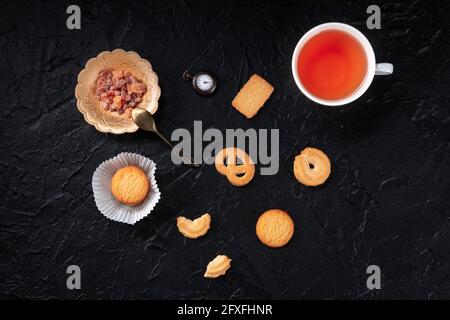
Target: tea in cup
x: 334, y: 64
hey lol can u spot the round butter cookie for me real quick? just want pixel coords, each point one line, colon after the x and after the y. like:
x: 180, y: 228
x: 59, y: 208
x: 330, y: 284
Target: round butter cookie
x: 275, y: 228
x: 130, y: 186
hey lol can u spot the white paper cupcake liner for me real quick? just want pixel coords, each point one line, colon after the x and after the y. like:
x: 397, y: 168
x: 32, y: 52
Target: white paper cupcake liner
x: 101, y: 186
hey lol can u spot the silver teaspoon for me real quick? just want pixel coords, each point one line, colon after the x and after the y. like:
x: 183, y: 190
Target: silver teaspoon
x: 145, y: 121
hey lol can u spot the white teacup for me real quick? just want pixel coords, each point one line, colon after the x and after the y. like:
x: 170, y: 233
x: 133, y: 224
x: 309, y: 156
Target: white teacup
x: 372, y: 69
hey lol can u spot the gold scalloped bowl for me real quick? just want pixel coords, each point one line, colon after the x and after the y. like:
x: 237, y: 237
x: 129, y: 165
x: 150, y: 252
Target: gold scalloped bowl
x: 89, y: 106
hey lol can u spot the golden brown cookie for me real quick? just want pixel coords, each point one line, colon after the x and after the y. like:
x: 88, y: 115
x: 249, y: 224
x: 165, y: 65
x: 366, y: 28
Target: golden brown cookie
x: 194, y: 229
x: 252, y: 96
x: 312, y: 167
x: 275, y: 228
x: 217, y: 267
x: 227, y: 164
x: 130, y: 186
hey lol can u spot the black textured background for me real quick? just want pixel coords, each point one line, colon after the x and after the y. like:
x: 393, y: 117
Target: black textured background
x: 386, y: 202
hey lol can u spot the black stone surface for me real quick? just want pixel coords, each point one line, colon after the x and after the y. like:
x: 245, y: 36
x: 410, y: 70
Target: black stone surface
x: 386, y: 202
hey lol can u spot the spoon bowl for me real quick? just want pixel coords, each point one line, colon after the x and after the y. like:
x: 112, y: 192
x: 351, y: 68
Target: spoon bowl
x: 145, y: 121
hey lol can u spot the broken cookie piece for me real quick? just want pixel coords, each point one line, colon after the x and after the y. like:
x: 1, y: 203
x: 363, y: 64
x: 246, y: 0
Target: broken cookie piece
x: 217, y: 267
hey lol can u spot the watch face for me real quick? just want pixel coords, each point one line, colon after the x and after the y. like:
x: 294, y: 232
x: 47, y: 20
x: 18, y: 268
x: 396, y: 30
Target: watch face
x: 204, y: 83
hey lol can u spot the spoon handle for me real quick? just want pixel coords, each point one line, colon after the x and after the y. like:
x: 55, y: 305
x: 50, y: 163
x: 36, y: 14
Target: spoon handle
x: 186, y: 160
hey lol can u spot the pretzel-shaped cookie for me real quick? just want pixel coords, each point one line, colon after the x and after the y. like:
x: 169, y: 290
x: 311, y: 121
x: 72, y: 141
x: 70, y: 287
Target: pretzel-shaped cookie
x: 237, y: 174
x: 312, y: 167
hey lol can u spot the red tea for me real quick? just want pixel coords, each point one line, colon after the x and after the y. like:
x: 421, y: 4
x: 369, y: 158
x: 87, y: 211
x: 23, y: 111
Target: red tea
x: 332, y: 65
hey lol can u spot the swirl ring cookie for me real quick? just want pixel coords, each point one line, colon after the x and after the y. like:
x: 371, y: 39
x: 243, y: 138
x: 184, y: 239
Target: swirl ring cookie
x: 237, y: 174
x: 275, y: 228
x: 312, y: 167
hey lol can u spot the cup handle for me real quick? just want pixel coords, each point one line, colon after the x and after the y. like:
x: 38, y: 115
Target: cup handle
x: 384, y: 69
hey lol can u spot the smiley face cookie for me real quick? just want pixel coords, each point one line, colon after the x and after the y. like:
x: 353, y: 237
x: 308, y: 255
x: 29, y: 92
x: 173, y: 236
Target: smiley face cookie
x: 275, y: 228
x: 227, y: 164
x: 194, y: 229
x: 312, y: 167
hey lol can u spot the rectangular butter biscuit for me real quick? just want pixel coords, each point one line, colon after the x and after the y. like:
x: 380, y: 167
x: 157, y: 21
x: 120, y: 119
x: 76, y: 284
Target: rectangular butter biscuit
x: 252, y: 96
